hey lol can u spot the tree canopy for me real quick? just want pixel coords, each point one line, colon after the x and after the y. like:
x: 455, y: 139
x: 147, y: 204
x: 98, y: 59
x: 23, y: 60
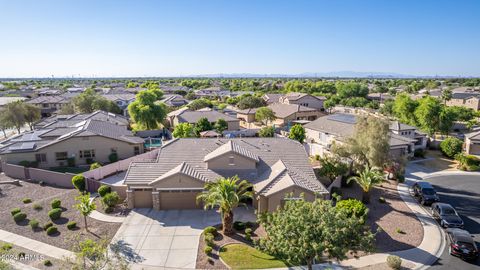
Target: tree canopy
x: 200, y: 103
x: 297, y: 133
x: 146, y: 111
x: 264, y: 115
x: 183, y: 130
x: 250, y: 102
x: 90, y: 101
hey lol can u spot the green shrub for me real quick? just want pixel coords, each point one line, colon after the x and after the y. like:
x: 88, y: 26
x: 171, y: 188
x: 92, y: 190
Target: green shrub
x: 15, y: 211
x: 468, y: 162
x: 95, y: 165
x: 33, y: 224
x: 78, y: 182
x: 19, y: 217
x: 249, y: 224
x: 238, y: 225
x: 208, y: 250
x: 71, y: 225
x: 451, y: 146
x: 248, y: 234
x: 52, y: 230
x: 103, y: 190
x: 419, y: 153
x: 209, y: 239
x: 47, y: 263
x: 24, y: 163
x: 210, y: 229
x: 353, y: 207
x: 55, y: 213
x: 7, y: 246
x: 71, y: 162
x: 89, y: 161
x: 113, y: 157
x: 248, y: 231
x: 56, y: 203
x: 110, y: 199
x: 394, y: 262
x: 26, y: 200
x: 47, y: 225
x: 37, y: 207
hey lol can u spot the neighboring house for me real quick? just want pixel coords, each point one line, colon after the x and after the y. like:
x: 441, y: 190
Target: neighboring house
x: 288, y: 113
x: 84, y: 142
x: 70, y: 119
x: 272, y: 98
x: 465, y: 99
x: 305, y: 100
x: 411, y: 133
x: 49, y: 104
x: 174, y: 100
x: 380, y: 97
x: 185, y: 115
x: 48, y: 92
x: 275, y: 166
x: 122, y: 101
x: 5, y: 100
x: 214, y: 91
x: 336, y: 128
x: 472, y: 143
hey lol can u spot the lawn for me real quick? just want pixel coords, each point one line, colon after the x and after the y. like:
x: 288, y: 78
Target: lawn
x: 240, y: 256
x: 74, y: 170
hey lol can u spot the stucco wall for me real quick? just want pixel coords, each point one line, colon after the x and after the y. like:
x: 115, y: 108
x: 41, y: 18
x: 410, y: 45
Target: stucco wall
x: 14, y: 171
x: 179, y: 181
x: 222, y: 163
x: 471, y: 148
x: 275, y: 200
x: 52, y: 178
x: 310, y: 101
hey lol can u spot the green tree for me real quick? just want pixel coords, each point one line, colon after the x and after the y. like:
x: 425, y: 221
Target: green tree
x: 351, y: 89
x: 446, y: 95
x: 297, y: 133
x: 97, y: 255
x: 183, y: 130
x: 451, y: 146
x: 221, y: 125
x: 5, y: 123
x: 200, y: 103
x: 90, y: 101
x: 404, y: 109
x: 202, y: 125
x: 302, y: 232
x: 250, y: 102
x: 15, y: 114
x: 146, y: 112
x: 264, y: 115
x: 447, y: 119
x: 67, y: 108
x: 32, y: 114
x: 267, y: 132
x: 367, y: 179
x: 85, y: 206
x: 428, y: 114
x: 332, y: 167
x: 226, y: 194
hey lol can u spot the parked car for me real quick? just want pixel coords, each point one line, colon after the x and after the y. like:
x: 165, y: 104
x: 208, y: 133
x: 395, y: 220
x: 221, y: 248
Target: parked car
x: 425, y: 193
x: 461, y: 244
x: 446, y: 215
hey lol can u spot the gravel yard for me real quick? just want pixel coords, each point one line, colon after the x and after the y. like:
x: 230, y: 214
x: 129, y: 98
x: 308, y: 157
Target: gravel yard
x: 42, y: 195
x: 400, y: 228
x: 32, y: 258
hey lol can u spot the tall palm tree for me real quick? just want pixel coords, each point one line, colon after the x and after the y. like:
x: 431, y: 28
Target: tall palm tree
x: 227, y: 194
x: 367, y: 179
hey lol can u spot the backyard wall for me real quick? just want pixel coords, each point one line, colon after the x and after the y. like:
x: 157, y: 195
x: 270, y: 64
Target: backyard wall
x: 14, y: 171
x: 34, y: 174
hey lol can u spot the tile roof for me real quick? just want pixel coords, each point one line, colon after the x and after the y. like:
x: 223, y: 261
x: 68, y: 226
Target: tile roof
x: 48, y: 100
x: 231, y: 147
x: 282, y: 110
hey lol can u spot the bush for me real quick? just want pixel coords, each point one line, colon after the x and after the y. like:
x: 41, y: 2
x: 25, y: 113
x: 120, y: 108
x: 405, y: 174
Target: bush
x: 33, y: 224
x: 7, y: 246
x: 52, y: 230
x: 266, y: 132
x: 89, y: 161
x: 248, y: 234
x: 210, y: 229
x: 71, y: 162
x: 71, y: 225
x: 451, y: 146
x: 467, y: 162
x: 394, y: 262
x: 238, y: 225
x: 95, y: 165
x: 110, y: 199
x: 419, y: 153
x: 19, y: 217
x: 78, y: 182
x: 47, y: 263
x: 55, y: 213
x: 56, y: 203
x: 26, y: 200
x: 208, y: 250
x: 15, y: 211
x: 103, y: 190
x: 113, y: 157
x: 209, y: 239
x: 37, y: 207
x: 47, y: 225
x: 248, y: 231
x: 353, y: 207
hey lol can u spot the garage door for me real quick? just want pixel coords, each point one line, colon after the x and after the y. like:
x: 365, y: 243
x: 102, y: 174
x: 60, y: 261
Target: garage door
x: 143, y: 199
x: 184, y: 199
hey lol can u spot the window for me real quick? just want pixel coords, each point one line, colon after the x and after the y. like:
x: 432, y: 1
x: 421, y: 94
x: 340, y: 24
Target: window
x: 61, y: 155
x: 231, y: 160
x: 87, y: 153
x: 41, y: 157
x: 136, y: 150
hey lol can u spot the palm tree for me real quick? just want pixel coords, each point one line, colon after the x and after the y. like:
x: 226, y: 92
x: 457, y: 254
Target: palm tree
x: 227, y: 194
x: 367, y: 179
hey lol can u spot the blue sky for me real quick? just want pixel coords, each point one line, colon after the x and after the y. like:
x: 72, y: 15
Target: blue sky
x: 181, y: 37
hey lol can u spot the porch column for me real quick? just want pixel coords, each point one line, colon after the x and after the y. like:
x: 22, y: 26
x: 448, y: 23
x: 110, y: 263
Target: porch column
x: 130, y: 199
x: 156, y: 200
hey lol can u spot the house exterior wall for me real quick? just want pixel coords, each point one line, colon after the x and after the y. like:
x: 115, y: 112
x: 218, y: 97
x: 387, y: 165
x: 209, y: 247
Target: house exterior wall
x: 272, y: 202
x: 319, y: 137
x: 472, y: 147
x: 249, y: 118
x: 307, y: 101
x: 73, y: 146
x: 223, y: 163
x: 178, y: 181
x: 310, y: 115
x: 472, y: 103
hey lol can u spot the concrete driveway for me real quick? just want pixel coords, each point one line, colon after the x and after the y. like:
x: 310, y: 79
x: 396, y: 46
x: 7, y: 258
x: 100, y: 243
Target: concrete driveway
x: 153, y: 239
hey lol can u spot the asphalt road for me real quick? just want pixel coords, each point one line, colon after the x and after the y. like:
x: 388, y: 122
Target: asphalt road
x: 463, y: 193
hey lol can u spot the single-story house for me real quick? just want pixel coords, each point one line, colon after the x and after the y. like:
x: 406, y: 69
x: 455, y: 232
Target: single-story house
x: 465, y: 99
x: 185, y: 115
x: 286, y: 113
x: 174, y: 100
x: 303, y: 99
x: 65, y: 120
x: 82, y: 142
x: 275, y: 166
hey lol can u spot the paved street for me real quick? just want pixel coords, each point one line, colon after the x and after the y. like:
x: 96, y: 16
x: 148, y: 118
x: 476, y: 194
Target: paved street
x: 463, y: 192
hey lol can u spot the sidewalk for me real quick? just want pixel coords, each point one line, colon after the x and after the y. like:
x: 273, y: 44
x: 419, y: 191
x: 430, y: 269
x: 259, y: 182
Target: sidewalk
x: 101, y: 216
x: 37, y: 246
x: 432, y: 244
